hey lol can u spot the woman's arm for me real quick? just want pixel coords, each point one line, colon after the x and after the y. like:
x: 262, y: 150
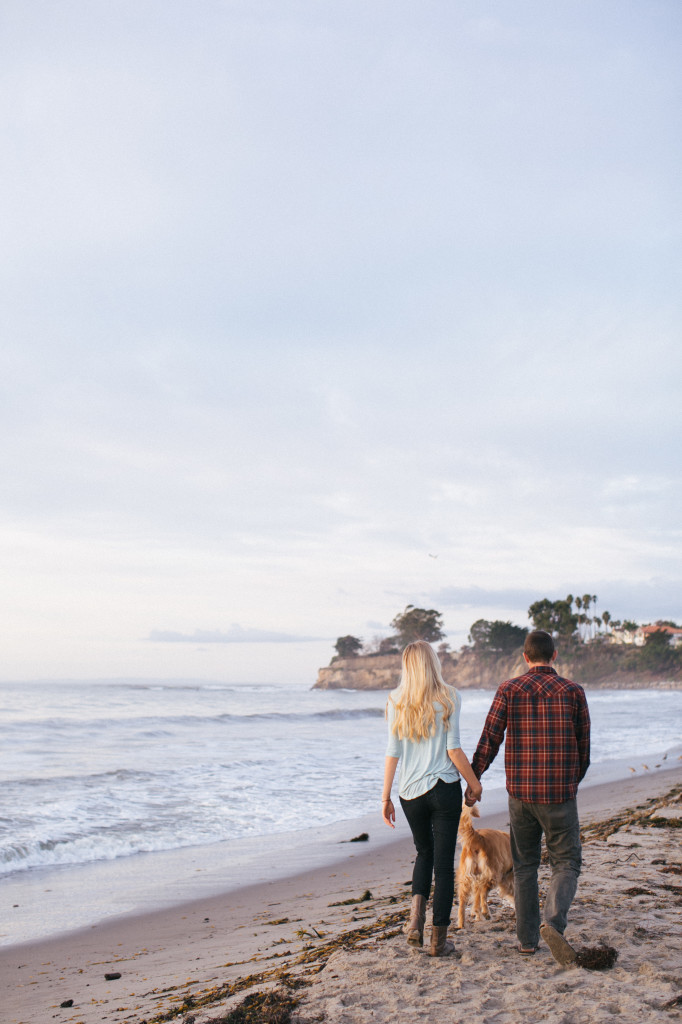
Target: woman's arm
x: 387, y: 808
x: 461, y: 763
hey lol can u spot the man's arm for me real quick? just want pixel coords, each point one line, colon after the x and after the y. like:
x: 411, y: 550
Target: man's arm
x: 582, y: 734
x: 492, y: 735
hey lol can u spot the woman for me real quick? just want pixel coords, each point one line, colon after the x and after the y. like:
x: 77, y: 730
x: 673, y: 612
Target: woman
x: 423, y: 732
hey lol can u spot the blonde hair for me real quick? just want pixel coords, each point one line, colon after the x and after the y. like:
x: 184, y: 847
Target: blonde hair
x: 421, y: 683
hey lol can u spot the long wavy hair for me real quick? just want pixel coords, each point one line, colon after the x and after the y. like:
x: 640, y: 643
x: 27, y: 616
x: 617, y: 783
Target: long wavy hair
x: 421, y: 684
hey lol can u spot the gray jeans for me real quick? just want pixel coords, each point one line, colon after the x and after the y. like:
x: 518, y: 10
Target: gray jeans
x: 561, y: 828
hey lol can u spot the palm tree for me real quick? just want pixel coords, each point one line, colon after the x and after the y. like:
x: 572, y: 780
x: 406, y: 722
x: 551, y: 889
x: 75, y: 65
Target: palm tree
x: 587, y: 601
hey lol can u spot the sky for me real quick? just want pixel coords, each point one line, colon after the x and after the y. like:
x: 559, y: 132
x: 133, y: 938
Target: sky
x: 313, y: 310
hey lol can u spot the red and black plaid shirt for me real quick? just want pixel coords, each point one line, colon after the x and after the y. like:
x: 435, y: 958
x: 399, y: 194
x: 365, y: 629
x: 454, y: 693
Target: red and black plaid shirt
x: 547, y: 751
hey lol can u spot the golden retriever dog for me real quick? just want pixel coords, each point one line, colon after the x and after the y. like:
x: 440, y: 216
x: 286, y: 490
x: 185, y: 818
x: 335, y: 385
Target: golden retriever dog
x: 484, y: 864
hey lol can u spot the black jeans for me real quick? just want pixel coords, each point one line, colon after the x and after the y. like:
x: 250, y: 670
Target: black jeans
x: 433, y: 818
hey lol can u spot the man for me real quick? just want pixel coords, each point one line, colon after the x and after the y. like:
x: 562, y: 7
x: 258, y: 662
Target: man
x: 547, y: 754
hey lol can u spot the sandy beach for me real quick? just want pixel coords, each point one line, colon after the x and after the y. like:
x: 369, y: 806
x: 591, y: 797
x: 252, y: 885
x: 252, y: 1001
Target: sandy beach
x: 330, y: 944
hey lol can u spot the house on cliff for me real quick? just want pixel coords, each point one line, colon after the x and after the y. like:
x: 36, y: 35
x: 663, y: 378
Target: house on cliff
x: 674, y: 634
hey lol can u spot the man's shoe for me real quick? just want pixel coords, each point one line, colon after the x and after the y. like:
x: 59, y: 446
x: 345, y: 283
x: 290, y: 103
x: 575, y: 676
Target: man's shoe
x: 561, y: 950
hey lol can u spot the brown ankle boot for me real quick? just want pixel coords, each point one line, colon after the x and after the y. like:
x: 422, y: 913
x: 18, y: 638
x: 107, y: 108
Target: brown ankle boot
x: 440, y: 944
x: 414, y: 929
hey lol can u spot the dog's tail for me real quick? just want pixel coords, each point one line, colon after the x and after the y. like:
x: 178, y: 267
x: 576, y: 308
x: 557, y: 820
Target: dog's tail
x: 466, y: 827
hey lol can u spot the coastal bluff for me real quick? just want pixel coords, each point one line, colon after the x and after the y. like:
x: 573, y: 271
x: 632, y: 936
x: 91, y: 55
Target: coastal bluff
x: 382, y: 672
x: 469, y: 670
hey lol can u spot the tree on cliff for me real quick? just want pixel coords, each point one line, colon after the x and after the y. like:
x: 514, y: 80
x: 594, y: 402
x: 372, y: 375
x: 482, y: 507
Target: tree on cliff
x: 555, y: 617
x: 418, y: 624
x: 389, y: 645
x: 348, y: 646
x: 496, y: 637
x: 658, y: 655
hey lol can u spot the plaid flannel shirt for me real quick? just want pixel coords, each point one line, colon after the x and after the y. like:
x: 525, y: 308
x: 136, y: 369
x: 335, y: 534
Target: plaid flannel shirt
x: 547, y: 750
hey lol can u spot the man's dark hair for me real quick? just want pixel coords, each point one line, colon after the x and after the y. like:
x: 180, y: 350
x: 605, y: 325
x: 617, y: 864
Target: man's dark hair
x: 539, y: 647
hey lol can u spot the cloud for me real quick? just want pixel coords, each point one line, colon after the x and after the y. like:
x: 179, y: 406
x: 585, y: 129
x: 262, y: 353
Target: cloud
x: 480, y: 597
x: 644, y: 601
x: 321, y: 294
x: 235, y: 635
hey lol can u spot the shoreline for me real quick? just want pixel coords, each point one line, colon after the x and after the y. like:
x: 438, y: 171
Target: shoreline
x: 39, y: 904
x: 153, y: 849
x: 162, y: 956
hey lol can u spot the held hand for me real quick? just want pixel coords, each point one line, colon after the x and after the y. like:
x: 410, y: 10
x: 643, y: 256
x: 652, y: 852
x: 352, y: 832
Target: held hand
x: 473, y: 794
x: 388, y: 813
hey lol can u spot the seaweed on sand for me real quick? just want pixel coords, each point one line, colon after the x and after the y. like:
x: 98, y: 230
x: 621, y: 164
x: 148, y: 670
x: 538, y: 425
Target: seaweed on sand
x: 596, y: 958
x: 273, y: 1007
x: 356, y: 899
x: 641, y: 817
x: 310, y: 960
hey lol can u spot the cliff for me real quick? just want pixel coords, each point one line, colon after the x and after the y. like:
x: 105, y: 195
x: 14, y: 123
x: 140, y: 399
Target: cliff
x: 598, y: 670
x: 360, y: 673
x: 382, y: 672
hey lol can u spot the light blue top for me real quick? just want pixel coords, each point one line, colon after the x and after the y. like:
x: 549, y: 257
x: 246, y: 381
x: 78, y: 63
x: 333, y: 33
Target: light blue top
x: 424, y: 762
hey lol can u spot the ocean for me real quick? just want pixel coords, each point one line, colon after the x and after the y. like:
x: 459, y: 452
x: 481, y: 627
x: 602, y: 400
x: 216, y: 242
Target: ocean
x: 120, y: 795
